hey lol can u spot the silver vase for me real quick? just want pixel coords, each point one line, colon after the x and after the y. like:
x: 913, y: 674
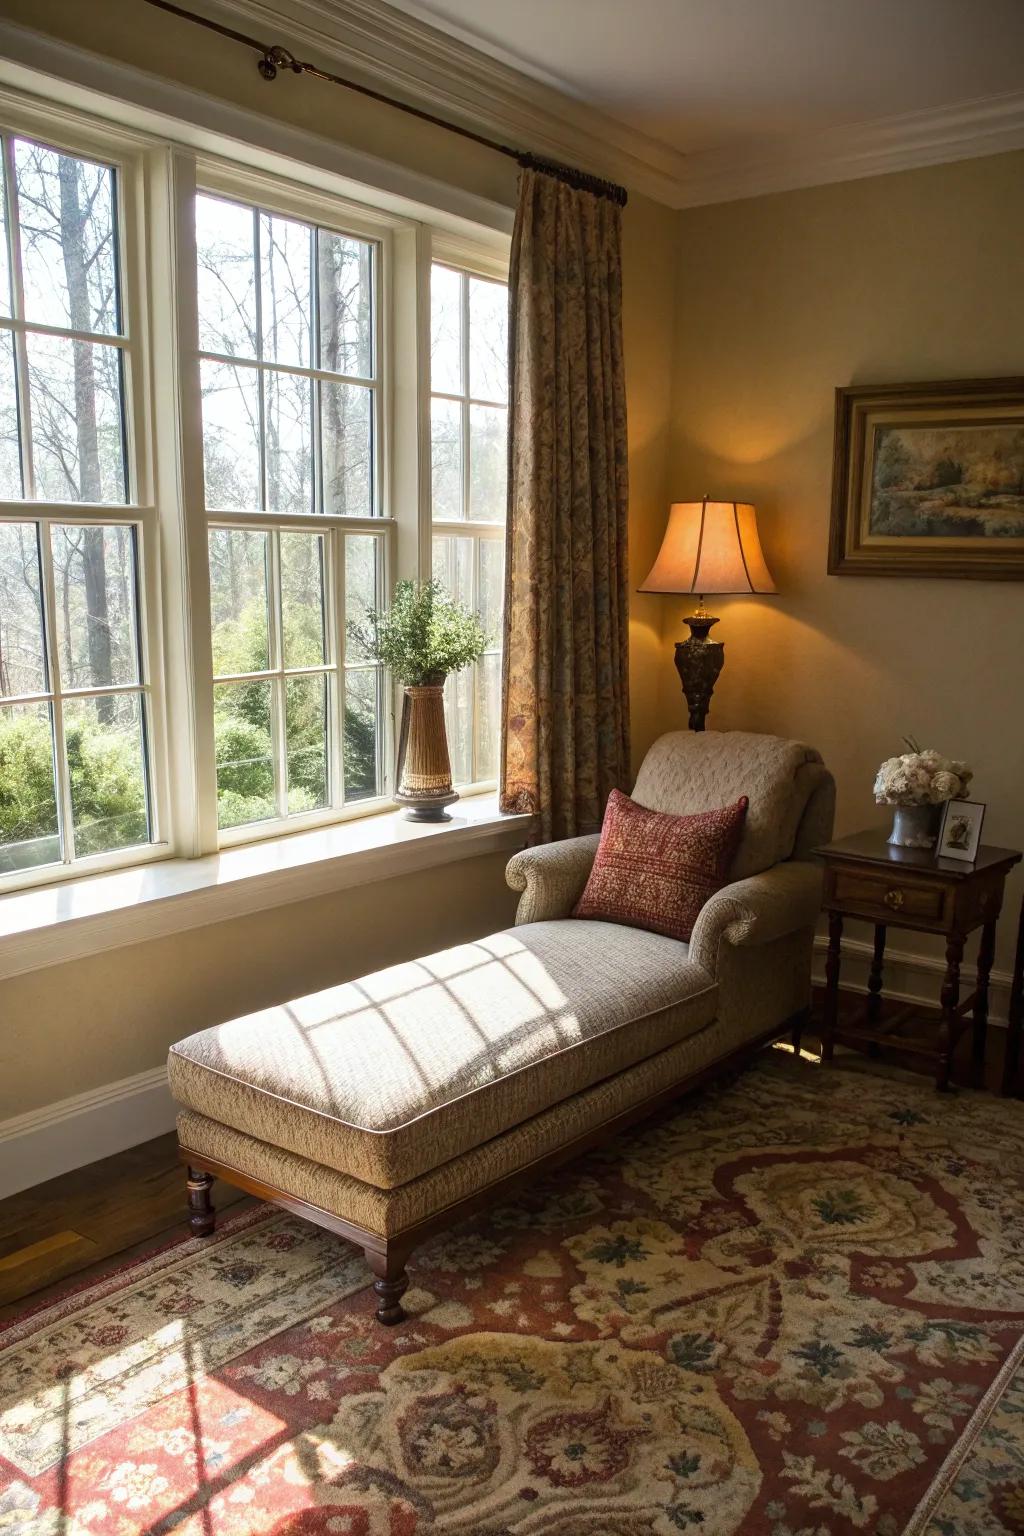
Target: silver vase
x: 915, y: 826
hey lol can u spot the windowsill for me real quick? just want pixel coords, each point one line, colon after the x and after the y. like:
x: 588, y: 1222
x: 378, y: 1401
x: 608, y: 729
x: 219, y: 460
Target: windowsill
x: 55, y: 923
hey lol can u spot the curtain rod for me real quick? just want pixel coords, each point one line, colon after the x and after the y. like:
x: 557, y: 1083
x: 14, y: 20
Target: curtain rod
x: 273, y: 57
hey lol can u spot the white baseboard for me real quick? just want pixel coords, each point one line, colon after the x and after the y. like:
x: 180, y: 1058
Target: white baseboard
x: 910, y: 978
x: 58, y: 1137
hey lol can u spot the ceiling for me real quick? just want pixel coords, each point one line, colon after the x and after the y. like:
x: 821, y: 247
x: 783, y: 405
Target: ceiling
x: 710, y: 75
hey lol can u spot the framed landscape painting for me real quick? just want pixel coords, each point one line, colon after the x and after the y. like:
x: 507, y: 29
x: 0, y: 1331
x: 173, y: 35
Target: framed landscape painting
x: 928, y: 480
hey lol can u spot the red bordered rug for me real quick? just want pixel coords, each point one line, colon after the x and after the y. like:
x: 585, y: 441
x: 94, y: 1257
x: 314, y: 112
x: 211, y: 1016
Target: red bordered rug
x: 793, y: 1308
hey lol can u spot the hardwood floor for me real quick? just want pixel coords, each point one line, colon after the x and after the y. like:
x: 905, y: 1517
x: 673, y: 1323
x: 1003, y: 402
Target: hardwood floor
x: 92, y: 1220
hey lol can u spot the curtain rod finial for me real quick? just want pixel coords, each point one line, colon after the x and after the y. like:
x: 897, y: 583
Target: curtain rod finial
x: 275, y: 59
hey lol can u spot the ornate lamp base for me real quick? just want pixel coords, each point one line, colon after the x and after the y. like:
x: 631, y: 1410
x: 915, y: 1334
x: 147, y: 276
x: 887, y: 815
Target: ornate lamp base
x: 698, y: 662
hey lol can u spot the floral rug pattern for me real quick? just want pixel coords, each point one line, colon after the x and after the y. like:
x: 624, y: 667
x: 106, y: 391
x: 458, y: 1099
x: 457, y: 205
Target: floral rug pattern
x: 795, y: 1307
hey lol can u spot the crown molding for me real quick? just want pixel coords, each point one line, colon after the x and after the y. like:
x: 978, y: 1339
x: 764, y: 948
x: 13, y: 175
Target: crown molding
x: 906, y: 142
x: 390, y: 50
x: 408, y: 57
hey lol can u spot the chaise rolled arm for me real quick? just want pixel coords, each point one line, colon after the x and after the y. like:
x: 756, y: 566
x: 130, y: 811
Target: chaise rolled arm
x: 764, y: 907
x: 551, y: 877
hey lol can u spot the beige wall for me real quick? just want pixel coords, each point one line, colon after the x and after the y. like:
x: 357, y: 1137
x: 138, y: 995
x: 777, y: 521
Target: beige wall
x: 77, y: 1026
x: 898, y: 278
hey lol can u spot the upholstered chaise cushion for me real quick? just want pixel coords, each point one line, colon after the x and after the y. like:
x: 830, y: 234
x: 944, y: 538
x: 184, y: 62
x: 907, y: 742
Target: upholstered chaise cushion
x: 390, y: 1076
x: 687, y: 771
x: 656, y: 871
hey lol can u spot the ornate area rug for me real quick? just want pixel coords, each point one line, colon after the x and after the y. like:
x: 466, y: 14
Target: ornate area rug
x: 795, y: 1307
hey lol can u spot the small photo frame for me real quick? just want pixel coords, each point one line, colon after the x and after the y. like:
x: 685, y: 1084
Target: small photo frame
x: 960, y: 832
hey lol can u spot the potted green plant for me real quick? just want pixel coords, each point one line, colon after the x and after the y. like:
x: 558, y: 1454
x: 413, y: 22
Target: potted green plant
x: 421, y: 638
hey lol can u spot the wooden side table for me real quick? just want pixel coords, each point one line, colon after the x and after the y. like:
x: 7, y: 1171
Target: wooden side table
x: 910, y: 888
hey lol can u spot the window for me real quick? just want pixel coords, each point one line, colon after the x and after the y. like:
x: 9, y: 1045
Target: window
x: 221, y: 443
x: 76, y: 711
x: 468, y: 457
x: 290, y: 406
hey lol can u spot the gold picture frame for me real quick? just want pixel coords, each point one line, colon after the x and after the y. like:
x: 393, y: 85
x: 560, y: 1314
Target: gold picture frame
x: 928, y: 480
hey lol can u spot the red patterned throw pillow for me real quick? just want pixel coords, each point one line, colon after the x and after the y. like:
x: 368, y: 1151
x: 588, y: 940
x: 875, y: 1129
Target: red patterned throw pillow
x: 655, y: 871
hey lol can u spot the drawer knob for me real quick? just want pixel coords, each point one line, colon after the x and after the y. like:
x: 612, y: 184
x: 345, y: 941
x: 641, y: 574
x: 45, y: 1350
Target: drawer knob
x: 893, y: 899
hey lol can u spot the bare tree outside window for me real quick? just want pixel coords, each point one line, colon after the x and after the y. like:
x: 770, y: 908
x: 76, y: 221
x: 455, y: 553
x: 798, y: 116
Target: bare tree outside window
x: 289, y: 397
x: 468, y: 448
x: 74, y: 778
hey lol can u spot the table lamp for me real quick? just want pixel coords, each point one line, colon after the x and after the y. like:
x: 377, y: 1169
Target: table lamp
x: 709, y: 547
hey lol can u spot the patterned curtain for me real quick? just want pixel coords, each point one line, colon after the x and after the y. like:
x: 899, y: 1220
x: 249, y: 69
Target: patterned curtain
x: 565, y: 688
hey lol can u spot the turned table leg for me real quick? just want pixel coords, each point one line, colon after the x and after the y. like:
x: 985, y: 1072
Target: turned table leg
x: 949, y: 998
x: 986, y: 955
x: 874, y: 1002
x: 202, y: 1217
x: 830, y: 1014
x: 390, y: 1285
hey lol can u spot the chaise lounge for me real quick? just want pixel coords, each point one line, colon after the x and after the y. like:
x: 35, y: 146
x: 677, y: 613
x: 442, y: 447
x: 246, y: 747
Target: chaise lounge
x: 393, y: 1105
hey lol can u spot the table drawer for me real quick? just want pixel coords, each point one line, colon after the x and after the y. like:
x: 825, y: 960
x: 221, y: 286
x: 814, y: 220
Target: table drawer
x: 888, y: 898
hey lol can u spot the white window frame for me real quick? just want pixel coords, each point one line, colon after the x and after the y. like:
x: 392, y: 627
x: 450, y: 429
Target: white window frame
x: 77, y: 136
x: 160, y: 163
x: 474, y: 261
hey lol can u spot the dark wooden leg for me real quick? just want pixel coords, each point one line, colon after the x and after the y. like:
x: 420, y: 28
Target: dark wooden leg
x: 986, y: 955
x: 1015, y: 1017
x: 391, y: 1284
x: 874, y: 1002
x: 832, y: 961
x: 202, y: 1217
x: 949, y: 997
x: 800, y: 1022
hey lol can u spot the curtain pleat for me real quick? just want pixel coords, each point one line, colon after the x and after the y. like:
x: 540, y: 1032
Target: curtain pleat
x: 565, y: 679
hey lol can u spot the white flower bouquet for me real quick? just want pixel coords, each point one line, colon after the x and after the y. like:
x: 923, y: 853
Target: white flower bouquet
x: 921, y: 778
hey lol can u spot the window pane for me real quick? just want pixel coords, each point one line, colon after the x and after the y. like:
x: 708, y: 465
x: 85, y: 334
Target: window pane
x: 488, y: 340
x: 347, y: 438
x: 302, y: 599
x: 77, y: 430
x: 10, y: 443
x: 68, y: 246
x: 238, y: 601
x: 231, y: 437
x: 488, y: 705
x: 226, y: 274
x: 488, y: 467
x: 362, y: 732
x: 22, y: 653
x: 289, y: 436
x: 458, y: 709
x: 104, y: 743
x: 490, y: 589
x: 445, y: 331
x: 5, y: 271
x: 244, y: 749
x: 453, y: 567
x: 285, y: 299
x: 346, y: 304
x: 362, y: 586
x: 305, y: 707
x: 446, y: 458
x: 28, y: 798
x: 94, y: 586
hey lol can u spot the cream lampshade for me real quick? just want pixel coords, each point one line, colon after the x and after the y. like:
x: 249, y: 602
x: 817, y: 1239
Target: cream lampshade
x: 709, y: 546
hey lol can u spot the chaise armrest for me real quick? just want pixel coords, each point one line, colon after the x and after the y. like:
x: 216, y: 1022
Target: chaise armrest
x: 551, y: 877
x: 756, y: 911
